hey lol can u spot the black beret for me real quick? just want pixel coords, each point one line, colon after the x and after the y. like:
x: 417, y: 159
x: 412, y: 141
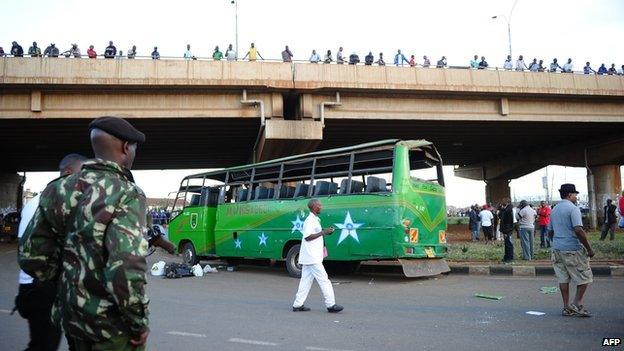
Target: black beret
x: 119, y: 128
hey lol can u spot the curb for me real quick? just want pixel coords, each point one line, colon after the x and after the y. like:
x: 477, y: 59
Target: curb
x: 529, y: 271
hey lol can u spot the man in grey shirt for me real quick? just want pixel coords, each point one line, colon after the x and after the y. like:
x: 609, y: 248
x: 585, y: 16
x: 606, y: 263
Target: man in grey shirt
x: 527, y: 229
x: 571, y: 251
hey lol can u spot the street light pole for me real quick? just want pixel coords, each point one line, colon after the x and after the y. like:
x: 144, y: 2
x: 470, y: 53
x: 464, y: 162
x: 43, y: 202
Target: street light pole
x: 235, y: 2
x: 508, y: 20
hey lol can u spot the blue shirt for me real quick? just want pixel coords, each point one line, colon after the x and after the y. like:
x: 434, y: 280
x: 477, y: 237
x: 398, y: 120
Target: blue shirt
x: 564, y: 217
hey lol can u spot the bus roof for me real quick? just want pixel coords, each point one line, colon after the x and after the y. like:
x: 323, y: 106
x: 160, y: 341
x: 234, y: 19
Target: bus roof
x: 409, y: 143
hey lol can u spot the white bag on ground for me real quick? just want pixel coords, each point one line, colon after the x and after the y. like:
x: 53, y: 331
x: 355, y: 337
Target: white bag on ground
x: 158, y: 268
x: 208, y: 269
x: 197, y: 270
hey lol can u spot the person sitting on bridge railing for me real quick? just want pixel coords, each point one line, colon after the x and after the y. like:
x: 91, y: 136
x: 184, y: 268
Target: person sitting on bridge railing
x: 508, y: 65
x: 612, y: 70
x: 554, y: 66
x: 339, y: 57
x: 315, y: 58
x: 230, y: 54
x: 91, y: 52
x: 381, y: 61
x: 369, y: 59
x: 253, y: 53
x: 483, y: 64
x: 287, y: 55
x: 567, y: 68
x: 16, y: 50
x: 34, y: 50
x: 520, y: 65
x: 110, y: 50
x: 132, y: 52
x: 354, y: 59
x: 399, y: 59
x: 328, y: 57
x: 426, y: 61
x: 217, y: 55
x: 155, y: 54
x: 474, y: 63
x: 587, y: 69
x: 51, y: 51
x: 441, y: 62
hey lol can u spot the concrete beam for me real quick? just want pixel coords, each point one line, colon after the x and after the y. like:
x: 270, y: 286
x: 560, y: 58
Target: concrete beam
x: 282, y: 138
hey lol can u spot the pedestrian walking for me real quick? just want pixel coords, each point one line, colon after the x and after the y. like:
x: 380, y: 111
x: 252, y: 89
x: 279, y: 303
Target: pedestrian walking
x: 311, y: 257
x: 526, y: 224
x: 543, y: 219
x: 101, y: 300
x: 610, y: 219
x: 486, y: 218
x: 571, y: 251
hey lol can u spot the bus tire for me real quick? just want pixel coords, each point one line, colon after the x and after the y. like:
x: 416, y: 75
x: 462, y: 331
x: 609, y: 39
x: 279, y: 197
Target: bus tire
x: 294, y: 269
x: 189, y: 256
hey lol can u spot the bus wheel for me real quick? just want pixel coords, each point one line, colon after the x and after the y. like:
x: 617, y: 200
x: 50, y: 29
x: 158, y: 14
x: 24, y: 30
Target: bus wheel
x: 294, y: 269
x: 188, y: 254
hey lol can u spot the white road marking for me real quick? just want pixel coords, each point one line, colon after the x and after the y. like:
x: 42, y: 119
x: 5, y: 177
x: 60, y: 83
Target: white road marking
x: 187, y: 334
x: 313, y: 348
x: 5, y: 311
x: 252, y: 342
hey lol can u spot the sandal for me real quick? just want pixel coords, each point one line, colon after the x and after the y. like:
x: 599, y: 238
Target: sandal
x: 568, y: 312
x: 580, y: 311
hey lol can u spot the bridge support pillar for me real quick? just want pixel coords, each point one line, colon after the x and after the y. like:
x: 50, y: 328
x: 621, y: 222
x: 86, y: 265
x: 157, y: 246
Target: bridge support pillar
x: 496, y: 190
x: 607, y: 184
x: 10, y: 191
x: 280, y: 138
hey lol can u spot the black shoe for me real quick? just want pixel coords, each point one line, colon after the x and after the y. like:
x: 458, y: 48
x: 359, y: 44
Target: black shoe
x: 335, y: 309
x: 301, y: 308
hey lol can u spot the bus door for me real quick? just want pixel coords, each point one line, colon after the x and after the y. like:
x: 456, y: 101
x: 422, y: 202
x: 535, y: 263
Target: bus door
x: 199, y: 220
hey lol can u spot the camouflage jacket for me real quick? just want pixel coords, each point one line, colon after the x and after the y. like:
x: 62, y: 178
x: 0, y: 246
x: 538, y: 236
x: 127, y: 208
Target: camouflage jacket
x: 92, y: 222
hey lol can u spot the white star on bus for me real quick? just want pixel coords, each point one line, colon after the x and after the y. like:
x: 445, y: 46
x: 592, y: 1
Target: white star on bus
x: 348, y: 229
x: 263, y: 238
x: 297, y: 225
x: 237, y: 243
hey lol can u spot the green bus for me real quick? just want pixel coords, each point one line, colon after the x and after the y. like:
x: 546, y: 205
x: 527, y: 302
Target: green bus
x: 386, y: 200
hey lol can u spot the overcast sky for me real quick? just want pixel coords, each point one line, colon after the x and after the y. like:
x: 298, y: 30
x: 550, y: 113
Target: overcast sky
x: 583, y: 30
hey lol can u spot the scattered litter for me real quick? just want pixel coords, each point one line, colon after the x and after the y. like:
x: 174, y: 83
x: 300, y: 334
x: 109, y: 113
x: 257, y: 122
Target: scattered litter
x: 208, y: 269
x: 158, y: 268
x: 535, y: 313
x: 177, y: 270
x: 197, y: 270
x: 231, y: 268
x: 336, y: 321
x: 489, y: 297
x: 549, y: 289
x: 339, y: 282
x: 371, y: 281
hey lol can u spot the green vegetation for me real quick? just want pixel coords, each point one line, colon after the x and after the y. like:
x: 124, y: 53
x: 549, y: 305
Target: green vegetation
x: 458, y: 220
x: 469, y: 251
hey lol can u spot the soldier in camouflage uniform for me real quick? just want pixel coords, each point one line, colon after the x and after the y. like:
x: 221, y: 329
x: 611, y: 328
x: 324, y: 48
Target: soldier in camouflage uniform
x: 87, y: 232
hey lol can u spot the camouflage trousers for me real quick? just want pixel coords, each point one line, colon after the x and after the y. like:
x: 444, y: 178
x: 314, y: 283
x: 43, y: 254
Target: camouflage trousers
x: 118, y: 343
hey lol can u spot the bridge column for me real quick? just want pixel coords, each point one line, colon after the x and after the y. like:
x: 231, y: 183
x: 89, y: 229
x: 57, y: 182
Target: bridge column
x: 496, y: 190
x: 10, y: 190
x: 607, y: 184
x: 281, y: 138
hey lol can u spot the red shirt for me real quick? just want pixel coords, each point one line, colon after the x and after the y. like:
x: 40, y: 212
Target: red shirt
x: 621, y: 205
x: 91, y: 53
x: 544, y: 215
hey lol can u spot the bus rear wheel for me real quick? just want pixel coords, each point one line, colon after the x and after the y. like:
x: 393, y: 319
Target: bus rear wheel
x: 189, y: 256
x: 292, y: 265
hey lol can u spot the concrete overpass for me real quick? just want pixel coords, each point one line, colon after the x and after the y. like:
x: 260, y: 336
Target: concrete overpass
x: 494, y: 125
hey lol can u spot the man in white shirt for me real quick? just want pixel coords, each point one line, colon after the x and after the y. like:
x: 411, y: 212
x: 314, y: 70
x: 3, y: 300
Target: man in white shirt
x: 230, y: 53
x: 567, y: 68
x: 486, y: 217
x: 35, y: 299
x: 188, y: 54
x: 311, y: 257
x: 508, y: 65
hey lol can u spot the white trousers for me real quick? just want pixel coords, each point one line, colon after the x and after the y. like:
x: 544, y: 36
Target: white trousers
x: 309, y: 272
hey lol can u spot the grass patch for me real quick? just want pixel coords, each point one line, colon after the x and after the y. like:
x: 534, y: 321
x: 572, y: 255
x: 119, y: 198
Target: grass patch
x: 469, y: 251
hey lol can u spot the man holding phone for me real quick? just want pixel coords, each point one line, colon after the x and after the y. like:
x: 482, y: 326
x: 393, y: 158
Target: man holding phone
x: 311, y: 257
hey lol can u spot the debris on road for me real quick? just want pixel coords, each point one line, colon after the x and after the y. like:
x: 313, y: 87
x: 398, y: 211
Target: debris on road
x: 535, y: 313
x: 549, y: 290
x: 158, y: 268
x: 197, y: 270
x: 489, y: 297
x: 208, y: 269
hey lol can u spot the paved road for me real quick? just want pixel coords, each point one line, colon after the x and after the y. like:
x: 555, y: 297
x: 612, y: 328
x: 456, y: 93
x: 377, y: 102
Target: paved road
x: 250, y: 310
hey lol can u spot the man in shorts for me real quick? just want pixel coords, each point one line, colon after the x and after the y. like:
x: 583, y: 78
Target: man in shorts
x: 570, y: 251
